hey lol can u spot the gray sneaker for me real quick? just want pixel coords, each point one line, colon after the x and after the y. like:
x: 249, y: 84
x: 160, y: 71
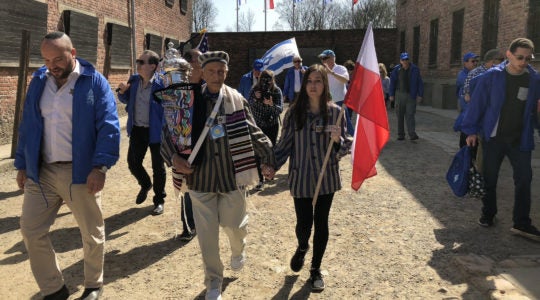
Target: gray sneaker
x: 528, y: 231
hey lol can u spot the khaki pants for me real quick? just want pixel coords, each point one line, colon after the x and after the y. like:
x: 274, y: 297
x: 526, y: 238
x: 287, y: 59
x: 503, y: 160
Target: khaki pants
x: 210, y: 210
x: 40, y: 207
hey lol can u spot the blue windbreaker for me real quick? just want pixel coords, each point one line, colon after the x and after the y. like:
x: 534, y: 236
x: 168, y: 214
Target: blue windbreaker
x: 487, y: 100
x: 96, y: 129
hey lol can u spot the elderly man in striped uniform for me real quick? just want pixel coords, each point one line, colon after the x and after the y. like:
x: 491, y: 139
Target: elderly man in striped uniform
x: 223, y: 167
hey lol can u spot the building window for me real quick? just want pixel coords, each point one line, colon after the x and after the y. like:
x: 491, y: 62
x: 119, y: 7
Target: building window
x: 457, y: 36
x: 534, y: 23
x: 490, y: 25
x: 153, y: 42
x: 416, y: 45
x: 402, y: 41
x: 169, y: 3
x: 433, y: 38
x: 183, y: 6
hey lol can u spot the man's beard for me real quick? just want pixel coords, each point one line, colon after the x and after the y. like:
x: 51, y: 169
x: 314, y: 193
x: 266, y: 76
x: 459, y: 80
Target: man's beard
x: 65, y: 73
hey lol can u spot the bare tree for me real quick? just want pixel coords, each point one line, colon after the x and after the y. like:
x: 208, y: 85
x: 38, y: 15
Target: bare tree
x: 204, y: 14
x: 318, y: 15
x: 246, y: 21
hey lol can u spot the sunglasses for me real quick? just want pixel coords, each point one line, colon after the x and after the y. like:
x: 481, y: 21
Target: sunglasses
x: 526, y: 58
x: 297, y: 61
x: 324, y: 58
x: 140, y: 62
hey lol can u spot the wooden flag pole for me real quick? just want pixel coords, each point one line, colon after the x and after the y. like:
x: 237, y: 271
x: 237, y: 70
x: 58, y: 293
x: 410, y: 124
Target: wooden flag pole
x: 326, y: 159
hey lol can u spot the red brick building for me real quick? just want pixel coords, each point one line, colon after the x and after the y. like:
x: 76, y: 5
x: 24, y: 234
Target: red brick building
x: 101, y: 31
x: 437, y: 33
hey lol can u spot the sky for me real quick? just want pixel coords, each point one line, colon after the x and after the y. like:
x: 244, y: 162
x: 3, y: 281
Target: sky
x: 226, y: 18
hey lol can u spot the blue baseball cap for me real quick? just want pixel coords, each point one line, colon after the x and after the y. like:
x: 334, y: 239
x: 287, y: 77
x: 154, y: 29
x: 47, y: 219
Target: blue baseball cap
x: 258, y: 64
x: 327, y: 53
x: 469, y: 55
x: 404, y: 56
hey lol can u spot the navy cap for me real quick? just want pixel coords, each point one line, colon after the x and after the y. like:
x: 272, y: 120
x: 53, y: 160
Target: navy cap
x: 404, y: 56
x: 327, y: 53
x: 213, y: 56
x: 258, y: 64
x: 469, y: 55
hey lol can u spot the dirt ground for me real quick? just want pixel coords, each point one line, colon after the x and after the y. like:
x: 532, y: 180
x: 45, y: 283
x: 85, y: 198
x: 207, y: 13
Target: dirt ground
x: 396, y: 238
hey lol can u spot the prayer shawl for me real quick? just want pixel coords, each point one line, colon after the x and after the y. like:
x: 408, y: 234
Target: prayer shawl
x: 239, y: 139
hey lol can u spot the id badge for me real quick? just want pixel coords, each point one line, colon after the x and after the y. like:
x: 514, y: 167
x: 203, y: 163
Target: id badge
x: 217, y: 131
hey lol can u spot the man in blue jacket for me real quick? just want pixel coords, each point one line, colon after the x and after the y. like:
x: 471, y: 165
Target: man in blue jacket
x: 406, y: 89
x: 145, y: 120
x: 470, y: 60
x: 502, y: 112
x: 249, y: 79
x: 68, y: 138
x: 293, y: 80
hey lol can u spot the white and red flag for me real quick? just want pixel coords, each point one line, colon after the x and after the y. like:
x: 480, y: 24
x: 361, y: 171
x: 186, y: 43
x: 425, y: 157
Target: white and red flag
x: 270, y: 4
x: 365, y: 96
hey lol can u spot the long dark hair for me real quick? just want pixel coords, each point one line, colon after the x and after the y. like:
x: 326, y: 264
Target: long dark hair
x: 301, y: 105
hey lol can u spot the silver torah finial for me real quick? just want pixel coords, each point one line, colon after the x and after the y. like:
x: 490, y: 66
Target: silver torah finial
x: 175, y: 68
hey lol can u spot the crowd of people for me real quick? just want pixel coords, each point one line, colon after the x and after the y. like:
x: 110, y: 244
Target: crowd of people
x: 70, y: 136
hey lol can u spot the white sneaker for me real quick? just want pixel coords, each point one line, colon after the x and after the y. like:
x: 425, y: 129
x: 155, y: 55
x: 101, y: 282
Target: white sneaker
x: 213, y: 294
x: 237, y: 263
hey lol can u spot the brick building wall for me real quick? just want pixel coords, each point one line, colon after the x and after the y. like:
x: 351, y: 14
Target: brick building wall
x: 157, y: 17
x: 244, y: 47
x: 440, y: 78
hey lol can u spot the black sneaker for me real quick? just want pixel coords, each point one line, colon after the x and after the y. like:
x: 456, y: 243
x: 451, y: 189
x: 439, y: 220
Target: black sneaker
x: 187, y: 236
x: 401, y: 138
x: 316, y: 280
x: 528, y: 231
x: 414, y: 137
x: 297, y: 261
x: 485, y: 221
x: 143, y: 193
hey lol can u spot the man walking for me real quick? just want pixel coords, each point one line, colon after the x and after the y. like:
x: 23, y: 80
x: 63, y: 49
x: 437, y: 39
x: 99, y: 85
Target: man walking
x: 69, y: 137
x: 406, y: 89
x: 145, y: 119
x: 222, y: 169
x: 503, y: 114
x: 293, y: 80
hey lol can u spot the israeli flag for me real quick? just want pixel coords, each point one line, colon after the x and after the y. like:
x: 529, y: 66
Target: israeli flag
x: 280, y: 57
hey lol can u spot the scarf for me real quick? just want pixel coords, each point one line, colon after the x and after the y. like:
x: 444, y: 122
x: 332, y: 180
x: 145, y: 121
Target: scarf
x: 239, y: 139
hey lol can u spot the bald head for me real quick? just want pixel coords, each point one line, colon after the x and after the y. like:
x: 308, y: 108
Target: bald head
x: 59, y: 55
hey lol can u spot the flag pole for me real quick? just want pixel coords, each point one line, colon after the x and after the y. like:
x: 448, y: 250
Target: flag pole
x: 326, y: 159
x: 264, y: 15
x: 293, y: 6
x: 237, y: 9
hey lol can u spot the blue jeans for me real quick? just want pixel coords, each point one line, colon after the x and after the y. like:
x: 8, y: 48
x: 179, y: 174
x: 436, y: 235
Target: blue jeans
x: 350, y: 128
x: 493, y: 155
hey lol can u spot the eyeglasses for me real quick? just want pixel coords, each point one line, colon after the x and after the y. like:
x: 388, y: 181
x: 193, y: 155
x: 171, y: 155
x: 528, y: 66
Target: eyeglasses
x: 522, y: 57
x: 297, y: 61
x: 140, y: 62
x: 324, y: 58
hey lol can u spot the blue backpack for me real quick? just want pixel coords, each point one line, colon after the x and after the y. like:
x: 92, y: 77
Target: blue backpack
x: 458, y: 172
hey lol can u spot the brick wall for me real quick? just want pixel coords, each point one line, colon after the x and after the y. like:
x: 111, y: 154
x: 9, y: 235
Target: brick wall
x: 440, y: 79
x: 244, y: 47
x: 152, y: 16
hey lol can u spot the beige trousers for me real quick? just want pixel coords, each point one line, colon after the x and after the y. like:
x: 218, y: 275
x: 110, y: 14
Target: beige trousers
x: 40, y: 207
x: 210, y: 210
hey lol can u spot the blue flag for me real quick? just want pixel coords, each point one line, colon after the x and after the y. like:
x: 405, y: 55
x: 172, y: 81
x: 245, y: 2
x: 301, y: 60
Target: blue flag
x: 203, y: 44
x: 280, y: 57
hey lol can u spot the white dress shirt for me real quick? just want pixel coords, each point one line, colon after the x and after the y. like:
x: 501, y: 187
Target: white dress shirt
x: 57, y: 112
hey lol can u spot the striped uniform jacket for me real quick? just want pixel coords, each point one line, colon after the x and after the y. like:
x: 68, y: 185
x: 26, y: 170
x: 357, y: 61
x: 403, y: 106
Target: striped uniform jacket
x: 213, y: 169
x: 306, y: 149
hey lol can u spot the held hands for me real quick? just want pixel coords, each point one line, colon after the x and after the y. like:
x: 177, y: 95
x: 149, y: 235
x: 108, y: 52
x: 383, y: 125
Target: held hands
x: 267, y: 171
x: 268, y: 101
x: 391, y: 98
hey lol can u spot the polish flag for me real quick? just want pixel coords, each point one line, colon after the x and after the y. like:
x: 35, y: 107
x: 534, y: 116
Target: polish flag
x: 271, y: 4
x: 365, y: 96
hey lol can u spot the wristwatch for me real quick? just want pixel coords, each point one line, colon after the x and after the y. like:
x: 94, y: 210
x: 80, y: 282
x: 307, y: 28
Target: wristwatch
x: 102, y: 169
